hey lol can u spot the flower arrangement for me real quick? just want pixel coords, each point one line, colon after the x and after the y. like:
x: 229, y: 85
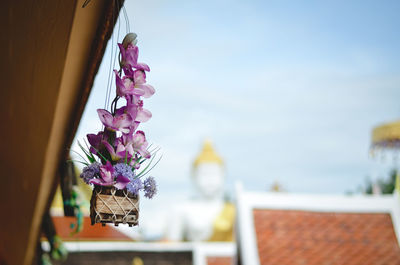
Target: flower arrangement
x: 119, y: 156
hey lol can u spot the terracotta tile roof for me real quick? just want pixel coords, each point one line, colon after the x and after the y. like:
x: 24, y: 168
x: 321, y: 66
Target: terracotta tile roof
x: 219, y: 260
x: 89, y: 232
x: 301, y: 237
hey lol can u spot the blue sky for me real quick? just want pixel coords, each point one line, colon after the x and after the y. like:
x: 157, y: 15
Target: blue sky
x: 287, y: 90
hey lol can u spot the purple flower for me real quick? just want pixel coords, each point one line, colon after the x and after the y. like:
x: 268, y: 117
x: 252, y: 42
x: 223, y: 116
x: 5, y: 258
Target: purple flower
x: 120, y: 152
x: 107, y: 178
x: 125, y: 86
x: 135, y: 109
x: 90, y: 172
x: 134, y: 186
x: 129, y: 54
x: 120, y: 122
x: 140, y: 83
x: 138, y: 143
x: 150, y: 187
x: 143, y: 115
x: 124, y: 170
x: 95, y: 142
x: 130, y: 109
x: 129, y: 57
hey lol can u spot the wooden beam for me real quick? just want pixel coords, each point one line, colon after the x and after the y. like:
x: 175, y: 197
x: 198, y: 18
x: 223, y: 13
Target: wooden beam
x: 49, y: 60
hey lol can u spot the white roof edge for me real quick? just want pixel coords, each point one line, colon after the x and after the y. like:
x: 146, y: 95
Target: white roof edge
x: 105, y: 246
x: 201, y: 250
x: 320, y: 202
x: 245, y: 229
x: 396, y: 215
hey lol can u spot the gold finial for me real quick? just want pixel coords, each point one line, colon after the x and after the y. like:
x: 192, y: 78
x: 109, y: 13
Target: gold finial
x: 208, y: 155
x: 276, y: 187
x: 137, y: 261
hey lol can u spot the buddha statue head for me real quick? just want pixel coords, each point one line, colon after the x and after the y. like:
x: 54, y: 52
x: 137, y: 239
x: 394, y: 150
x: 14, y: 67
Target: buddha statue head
x: 208, y: 173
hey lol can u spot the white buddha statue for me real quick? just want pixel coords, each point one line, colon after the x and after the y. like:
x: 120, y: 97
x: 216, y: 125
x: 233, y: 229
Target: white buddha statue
x: 194, y: 220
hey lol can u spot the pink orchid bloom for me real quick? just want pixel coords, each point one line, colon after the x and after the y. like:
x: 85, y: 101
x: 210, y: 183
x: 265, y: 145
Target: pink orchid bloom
x: 107, y: 178
x: 129, y: 56
x: 121, y: 151
x: 135, y: 109
x: 138, y: 142
x: 132, y: 110
x: 142, y: 115
x: 115, y: 153
x: 125, y: 86
x: 121, y: 122
x: 139, y: 78
x: 95, y: 142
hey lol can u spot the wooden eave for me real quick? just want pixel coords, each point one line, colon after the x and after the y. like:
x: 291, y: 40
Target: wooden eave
x: 51, y: 52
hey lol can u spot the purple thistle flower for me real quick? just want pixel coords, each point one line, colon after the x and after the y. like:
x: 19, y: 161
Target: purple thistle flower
x: 124, y: 170
x: 90, y: 172
x: 134, y: 186
x: 150, y: 187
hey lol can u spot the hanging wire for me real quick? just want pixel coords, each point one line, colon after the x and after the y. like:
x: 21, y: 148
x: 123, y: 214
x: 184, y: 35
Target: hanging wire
x: 110, y: 68
x: 128, y: 27
x: 114, y: 51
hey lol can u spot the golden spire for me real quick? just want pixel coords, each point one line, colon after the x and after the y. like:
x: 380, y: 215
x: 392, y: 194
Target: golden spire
x: 207, y: 155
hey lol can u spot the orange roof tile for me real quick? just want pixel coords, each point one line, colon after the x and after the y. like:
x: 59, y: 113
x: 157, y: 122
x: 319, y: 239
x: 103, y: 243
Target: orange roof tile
x: 302, y: 237
x: 219, y: 260
x: 90, y: 232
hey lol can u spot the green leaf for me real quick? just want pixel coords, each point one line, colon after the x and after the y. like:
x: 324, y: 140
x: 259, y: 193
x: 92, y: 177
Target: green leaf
x: 100, y: 154
x: 77, y: 161
x: 86, y: 153
x: 88, y: 148
x: 148, y: 165
x: 79, y: 155
x: 141, y: 174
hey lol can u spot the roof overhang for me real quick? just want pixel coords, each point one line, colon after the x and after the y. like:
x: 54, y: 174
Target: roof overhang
x: 49, y: 60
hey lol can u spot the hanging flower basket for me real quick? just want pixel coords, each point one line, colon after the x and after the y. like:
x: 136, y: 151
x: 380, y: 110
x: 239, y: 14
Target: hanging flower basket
x: 110, y: 205
x: 119, y: 157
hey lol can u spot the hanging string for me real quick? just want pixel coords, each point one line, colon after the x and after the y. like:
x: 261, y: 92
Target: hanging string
x: 110, y: 68
x: 114, y: 52
x: 116, y: 20
x: 128, y: 27
x: 116, y: 47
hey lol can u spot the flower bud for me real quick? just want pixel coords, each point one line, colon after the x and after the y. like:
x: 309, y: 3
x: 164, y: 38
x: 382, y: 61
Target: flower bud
x: 130, y: 38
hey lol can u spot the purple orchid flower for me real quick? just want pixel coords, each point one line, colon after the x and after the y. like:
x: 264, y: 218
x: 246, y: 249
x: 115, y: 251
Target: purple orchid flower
x: 106, y: 174
x: 129, y: 56
x: 121, y: 151
x: 138, y: 142
x: 140, y: 83
x: 143, y: 114
x: 120, y: 122
x: 107, y: 178
x: 130, y: 109
x: 125, y: 86
x: 95, y: 140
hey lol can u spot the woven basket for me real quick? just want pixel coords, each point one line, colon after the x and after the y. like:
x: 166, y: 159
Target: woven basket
x: 109, y: 205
